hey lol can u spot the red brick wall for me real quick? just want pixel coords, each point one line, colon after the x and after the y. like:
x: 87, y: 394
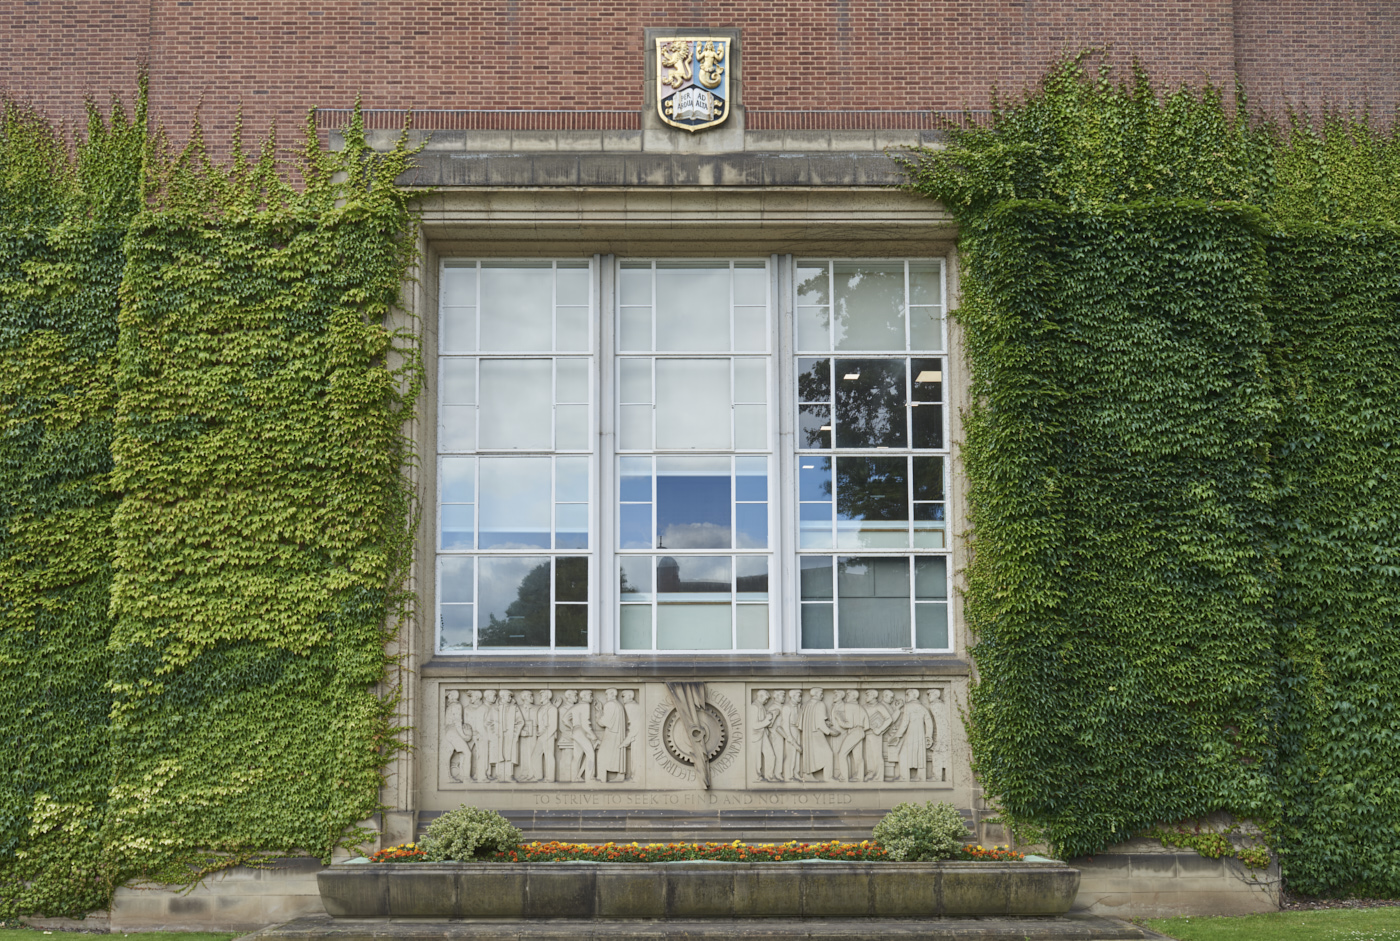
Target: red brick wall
x: 280, y: 57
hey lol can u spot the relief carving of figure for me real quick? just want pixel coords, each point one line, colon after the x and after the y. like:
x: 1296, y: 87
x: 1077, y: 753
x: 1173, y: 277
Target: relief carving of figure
x: 709, y: 58
x: 632, y: 712
x: 878, y: 718
x: 509, y: 721
x: 456, y: 739
x: 790, y: 726
x: 850, y: 754
x: 490, y: 721
x: 764, y: 716
x: 612, y: 725
x: 891, y: 743
x: 816, y: 736
x: 676, y: 57
x: 566, y: 735
x: 526, y: 703
x: 546, y: 734
x: 474, y: 717
x: 914, y: 733
x: 935, y: 699
x: 584, y: 740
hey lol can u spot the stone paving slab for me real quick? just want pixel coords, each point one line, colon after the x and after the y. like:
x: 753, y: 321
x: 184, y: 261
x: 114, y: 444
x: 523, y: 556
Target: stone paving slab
x: 1074, y: 927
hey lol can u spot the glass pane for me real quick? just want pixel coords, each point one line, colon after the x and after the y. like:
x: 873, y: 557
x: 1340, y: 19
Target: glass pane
x: 458, y: 287
x: 634, y: 428
x: 812, y: 283
x: 636, y: 627
x: 571, y: 428
x: 571, y: 578
x: 751, y: 478
x: 634, y: 582
x: 925, y: 283
x: 517, y: 307
x: 635, y: 532
x: 750, y: 380
x: 571, y: 526
x: 634, y: 331
x: 818, y: 629
x: 814, y: 526
x: 571, y: 625
x: 816, y: 577
x: 874, y: 597
x: 457, y: 380
x: 458, y: 479
x: 571, y: 380
x: 751, y: 427
x: 636, y: 479
x: 750, y: 285
x: 571, y: 479
x: 516, y: 404
x: 692, y: 404
x: 928, y: 390
x: 750, y: 329
x: 869, y: 307
x: 928, y: 426
x: 870, y: 397
x: 514, y: 602
x: 571, y: 329
x: 693, y: 627
x: 457, y: 523
x: 751, y: 579
x: 931, y: 578
x: 928, y: 478
x: 751, y: 626
x: 813, y: 328
x: 692, y: 307
x: 814, y: 380
x: 694, y: 578
x: 931, y: 626
x: 515, y: 503
x: 455, y: 579
x: 456, y: 627
x: 926, y: 328
x: 458, y: 329
x: 814, y: 426
x: 634, y: 284
x: 928, y: 380
x: 751, y: 526
x: 929, y: 526
x: 814, y: 478
x: 571, y: 284
x: 458, y: 429
x: 872, y: 502
x: 693, y: 503
x: 635, y: 385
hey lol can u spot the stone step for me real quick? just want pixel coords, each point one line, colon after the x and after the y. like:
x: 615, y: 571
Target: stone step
x: 1072, y: 927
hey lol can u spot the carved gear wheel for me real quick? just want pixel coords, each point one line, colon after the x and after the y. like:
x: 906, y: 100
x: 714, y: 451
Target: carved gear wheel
x: 713, y: 729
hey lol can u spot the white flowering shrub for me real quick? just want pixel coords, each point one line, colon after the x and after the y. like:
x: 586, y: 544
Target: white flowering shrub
x: 922, y: 832
x: 468, y: 833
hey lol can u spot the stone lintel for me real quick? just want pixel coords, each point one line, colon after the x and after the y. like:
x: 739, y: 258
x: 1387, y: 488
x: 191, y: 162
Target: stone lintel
x: 479, y: 667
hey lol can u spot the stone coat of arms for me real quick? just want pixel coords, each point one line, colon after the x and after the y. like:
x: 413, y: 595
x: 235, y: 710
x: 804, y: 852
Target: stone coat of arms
x: 692, y: 81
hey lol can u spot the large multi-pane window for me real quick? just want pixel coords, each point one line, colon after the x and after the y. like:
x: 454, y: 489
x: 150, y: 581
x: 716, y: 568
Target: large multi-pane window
x: 683, y: 473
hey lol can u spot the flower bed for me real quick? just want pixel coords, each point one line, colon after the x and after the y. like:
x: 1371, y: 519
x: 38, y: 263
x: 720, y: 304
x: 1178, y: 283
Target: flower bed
x: 556, y: 851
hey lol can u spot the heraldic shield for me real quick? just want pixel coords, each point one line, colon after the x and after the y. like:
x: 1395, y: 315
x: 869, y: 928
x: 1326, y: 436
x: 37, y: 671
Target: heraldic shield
x: 692, y: 81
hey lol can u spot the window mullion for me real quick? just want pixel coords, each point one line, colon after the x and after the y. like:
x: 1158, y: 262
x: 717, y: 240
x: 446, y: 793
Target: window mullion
x: 784, y: 588
x: 603, y: 579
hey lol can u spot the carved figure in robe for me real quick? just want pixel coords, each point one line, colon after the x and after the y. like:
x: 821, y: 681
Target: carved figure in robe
x: 612, y: 729
x: 491, y: 729
x: 891, y: 746
x: 546, y: 734
x: 632, y: 711
x: 526, y: 702
x: 585, y: 741
x: 456, y: 739
x: 915, y: 733
x: 850, y: 755
x: 566, y: 735
x: 934, y: 699
x: 878, y: 717
x: 790, y: 726
x: 474, y: 716
x: 816, y: 735
x: 762, y: 727
x: 509, y: 721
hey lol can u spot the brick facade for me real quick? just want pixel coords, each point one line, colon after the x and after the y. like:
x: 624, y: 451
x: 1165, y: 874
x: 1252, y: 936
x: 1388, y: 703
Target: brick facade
x: 280, y: 58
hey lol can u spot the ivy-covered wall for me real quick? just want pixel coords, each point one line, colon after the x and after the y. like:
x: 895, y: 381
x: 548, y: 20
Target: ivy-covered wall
x: 1182, y: 327
x: 204, y: 522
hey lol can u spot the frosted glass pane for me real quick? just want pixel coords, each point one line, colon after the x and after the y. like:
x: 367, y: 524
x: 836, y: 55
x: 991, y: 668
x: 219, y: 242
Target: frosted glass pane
x: 926, y: 537
x: 869, y: 308
x: 750, y: 286
x: 458, y: 329
x: 457, y: 479
x: 692, y: 308
x: 693, y: 503
x: 931, y: 578
x: 455, y: 579
x: 458, y: 287
x: 636, y: 381
x: 456, y: 530
x: 693, y: 627
x: 571, y: 428
x: 692, y: 404
x: 816, y: 578
x: 635, y: 285
x: 751, y: 427
x: 872, y: 534
x: 571, y: 380
x: 516, y: 404
x: 457, y: 381
x: 931, y: 626
x: 925, y: 284
x: 926, y: 328
x: 750, y: 329
x: 514, y: 602
x: 636, y: 627
x: 515, y: 503
x: 873, y: 594
x: 818, y: 629
x: 571, y: 329
x: 458, y: 429
x: 751, y: 624
x: 634, y: 331
x: 571, y: 286
x: 571, y: 479
x: 634, y: 582
x: 813, y: 328
x: 456, y: 627
x: 750, y: 380
x: 812, y: 283
x: 517, y: 308
x: 571, y: 526
x: 634, y: 431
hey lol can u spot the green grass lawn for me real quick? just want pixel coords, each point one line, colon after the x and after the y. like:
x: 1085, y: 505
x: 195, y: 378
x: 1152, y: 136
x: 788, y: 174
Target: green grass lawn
x: 35, y: 934
x: 1333, y: 924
